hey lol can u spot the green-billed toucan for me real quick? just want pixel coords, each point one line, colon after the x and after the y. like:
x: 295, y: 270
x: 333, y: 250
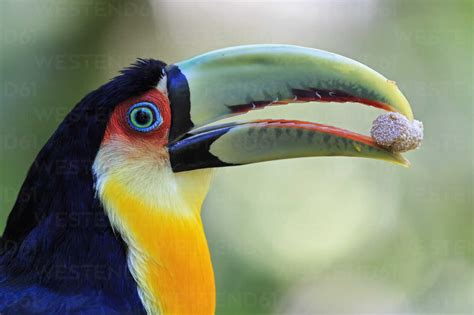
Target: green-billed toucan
x: 108, y: 218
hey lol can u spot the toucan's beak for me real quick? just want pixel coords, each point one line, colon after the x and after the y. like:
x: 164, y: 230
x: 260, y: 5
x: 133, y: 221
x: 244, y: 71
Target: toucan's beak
x: 236, y: 80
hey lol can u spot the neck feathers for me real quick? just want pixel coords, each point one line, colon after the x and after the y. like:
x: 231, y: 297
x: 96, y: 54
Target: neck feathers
x: 157, y: 213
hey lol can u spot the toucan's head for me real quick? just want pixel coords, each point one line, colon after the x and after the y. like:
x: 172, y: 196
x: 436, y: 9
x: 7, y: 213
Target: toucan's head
x: 167, y: 121
x: 163, y: 129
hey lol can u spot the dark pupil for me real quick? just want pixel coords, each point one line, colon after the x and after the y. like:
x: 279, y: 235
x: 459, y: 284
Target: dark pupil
x: 143, y: 117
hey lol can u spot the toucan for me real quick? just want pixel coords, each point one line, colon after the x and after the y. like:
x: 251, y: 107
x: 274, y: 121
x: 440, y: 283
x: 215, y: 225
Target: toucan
x: 108, y: 219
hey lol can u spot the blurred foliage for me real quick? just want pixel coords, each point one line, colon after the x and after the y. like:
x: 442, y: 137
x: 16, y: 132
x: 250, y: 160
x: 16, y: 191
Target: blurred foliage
x: 306, y: 236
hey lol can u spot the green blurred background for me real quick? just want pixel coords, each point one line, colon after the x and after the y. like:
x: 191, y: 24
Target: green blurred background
x: 305, y: 236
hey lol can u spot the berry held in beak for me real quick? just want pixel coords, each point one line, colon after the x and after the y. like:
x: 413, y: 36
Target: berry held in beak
x: 396, y: 133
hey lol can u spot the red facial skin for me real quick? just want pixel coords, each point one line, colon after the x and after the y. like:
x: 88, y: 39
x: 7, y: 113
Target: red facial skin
x: 118, y: 125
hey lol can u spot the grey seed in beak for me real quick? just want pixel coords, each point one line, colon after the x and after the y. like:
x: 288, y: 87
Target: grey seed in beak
x: 396, y: 133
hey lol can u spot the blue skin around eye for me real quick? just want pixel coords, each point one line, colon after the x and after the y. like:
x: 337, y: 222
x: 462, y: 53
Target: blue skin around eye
x: 158, y: 119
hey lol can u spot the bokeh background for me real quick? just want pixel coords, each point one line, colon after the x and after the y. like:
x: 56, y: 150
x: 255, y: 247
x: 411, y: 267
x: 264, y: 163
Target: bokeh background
x: 305, y: 236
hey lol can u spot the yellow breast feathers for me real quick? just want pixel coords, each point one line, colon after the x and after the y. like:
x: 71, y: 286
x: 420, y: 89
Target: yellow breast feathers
x: 157, y: 212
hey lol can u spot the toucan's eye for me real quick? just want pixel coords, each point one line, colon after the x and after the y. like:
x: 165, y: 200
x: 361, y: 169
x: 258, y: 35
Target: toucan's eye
x: 144, y: 117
